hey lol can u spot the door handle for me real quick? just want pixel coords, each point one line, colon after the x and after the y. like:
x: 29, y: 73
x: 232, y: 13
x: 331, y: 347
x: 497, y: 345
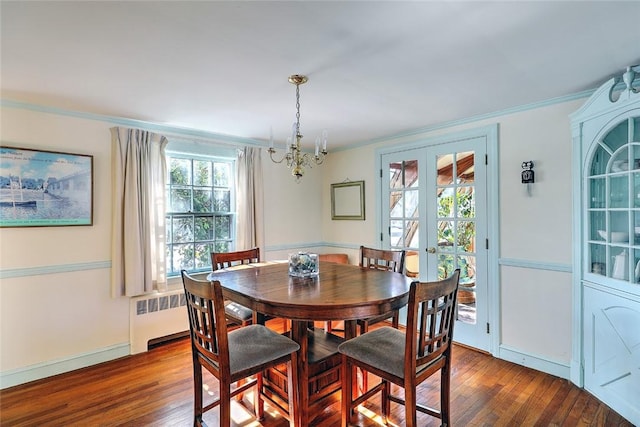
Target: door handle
x: 431, y: 250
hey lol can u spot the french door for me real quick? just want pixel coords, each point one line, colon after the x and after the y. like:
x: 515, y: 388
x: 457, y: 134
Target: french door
x: 434, y: 206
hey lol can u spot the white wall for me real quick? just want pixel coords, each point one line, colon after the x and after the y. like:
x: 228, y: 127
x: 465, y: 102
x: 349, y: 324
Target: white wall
x: 535, y: 231
x: 56, y: 312
x: 55, y: 317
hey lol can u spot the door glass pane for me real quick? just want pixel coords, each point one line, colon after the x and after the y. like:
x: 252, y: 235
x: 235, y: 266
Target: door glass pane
x: 395, y: 175
x: 466, y: 236
x: 397, y: 205
x: 445, y: 202
x: 412, y: 240
x: 466, y: 202
x: 465, y: 167
x: 411, y: 173
x: 445, y: 169
x: 445, y: 235
x: 395, y: 228
x: 636, y: 129
x: 411, y: 197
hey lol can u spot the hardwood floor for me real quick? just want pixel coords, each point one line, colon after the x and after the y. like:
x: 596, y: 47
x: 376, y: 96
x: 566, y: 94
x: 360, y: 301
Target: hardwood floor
x: 155, y: 389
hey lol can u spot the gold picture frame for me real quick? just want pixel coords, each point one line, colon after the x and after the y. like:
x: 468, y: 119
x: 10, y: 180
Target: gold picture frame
x: 347, y: 200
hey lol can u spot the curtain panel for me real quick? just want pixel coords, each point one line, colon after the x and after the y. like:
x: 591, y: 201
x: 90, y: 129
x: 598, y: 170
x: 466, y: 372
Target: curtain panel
x: 138, y: 212
x: 249, y: 199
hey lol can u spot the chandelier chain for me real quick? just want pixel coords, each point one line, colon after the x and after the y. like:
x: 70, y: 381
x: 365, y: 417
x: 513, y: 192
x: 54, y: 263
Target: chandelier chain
x: 297, y: 110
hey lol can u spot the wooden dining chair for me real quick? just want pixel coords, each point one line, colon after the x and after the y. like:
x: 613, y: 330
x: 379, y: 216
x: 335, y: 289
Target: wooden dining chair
x: 381, y: 259
x: 236, y: 313
x: 233, y: 356
x: 406, y: 358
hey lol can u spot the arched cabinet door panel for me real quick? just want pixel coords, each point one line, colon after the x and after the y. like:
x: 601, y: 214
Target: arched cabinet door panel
x: 606, y: 136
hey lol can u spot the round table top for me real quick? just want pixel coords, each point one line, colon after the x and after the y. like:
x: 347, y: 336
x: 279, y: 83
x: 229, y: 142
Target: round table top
x: 339, y: 292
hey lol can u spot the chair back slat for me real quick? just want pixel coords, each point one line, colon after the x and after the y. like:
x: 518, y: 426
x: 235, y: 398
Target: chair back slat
x: 207, y: 322
x: 430, y: 319
x: 380, y: 259
x: 221, y: 260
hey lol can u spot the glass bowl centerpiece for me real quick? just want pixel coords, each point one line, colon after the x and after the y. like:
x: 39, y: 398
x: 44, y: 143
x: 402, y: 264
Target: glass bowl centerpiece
x: 303, y: 264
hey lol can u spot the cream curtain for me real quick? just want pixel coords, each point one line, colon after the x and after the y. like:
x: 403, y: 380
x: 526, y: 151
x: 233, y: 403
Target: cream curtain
x: 249, y: 198
x: 138, y: 212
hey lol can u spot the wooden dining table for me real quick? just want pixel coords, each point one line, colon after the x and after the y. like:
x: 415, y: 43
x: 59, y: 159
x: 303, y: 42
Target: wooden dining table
x: 339, y: 292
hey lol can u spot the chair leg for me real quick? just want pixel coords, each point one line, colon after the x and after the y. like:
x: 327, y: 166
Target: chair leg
x: 225, y: 405
x: 386, y: 402
x: 258, y: 402
x: 410, y: 405
x: 445, y: 393
x: 197, y: 393
x: 364, y: 328
x: 347, y: 390
x: 292, y: 386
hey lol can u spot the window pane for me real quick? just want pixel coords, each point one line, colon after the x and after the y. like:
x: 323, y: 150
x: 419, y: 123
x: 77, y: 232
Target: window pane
x: 183, y: 257
x: 202, y: 173
x: 222, y: 246
x: 222, y: 201
x: 203, y: 228
x: 202, y: 255
x: 222, y: 173
x: 182, y: 229
x: 202, y: 200
x: 180, y: 200
x: 223, y: 227
x: 179, y: 171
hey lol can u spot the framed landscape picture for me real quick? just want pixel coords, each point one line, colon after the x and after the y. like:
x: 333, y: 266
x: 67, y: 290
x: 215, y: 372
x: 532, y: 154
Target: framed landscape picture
x: 45, y: 188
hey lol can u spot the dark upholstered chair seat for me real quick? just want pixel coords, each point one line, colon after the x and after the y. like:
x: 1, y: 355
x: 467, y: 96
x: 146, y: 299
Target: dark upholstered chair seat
x: 382, y: 348
x: 255, y: 345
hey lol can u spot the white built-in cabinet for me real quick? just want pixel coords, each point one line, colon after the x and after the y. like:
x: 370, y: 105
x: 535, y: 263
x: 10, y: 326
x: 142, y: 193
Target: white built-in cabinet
x: 606, y: 140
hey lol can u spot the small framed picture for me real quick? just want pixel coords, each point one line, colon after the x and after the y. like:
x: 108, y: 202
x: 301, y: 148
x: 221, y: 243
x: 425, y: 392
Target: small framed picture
x: 45, y: 188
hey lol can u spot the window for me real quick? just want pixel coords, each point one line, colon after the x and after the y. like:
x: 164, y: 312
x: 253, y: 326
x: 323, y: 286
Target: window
x: 200, y: 211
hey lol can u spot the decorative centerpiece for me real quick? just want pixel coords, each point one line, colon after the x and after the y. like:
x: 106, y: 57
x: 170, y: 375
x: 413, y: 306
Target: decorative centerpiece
x: 303, y: 264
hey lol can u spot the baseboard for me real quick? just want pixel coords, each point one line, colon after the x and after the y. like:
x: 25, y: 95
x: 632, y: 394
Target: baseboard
x: 42, y: 370
x: 536, y: 362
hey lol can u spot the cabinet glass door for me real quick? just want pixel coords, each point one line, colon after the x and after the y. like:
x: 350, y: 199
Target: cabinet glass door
x: 614, y: 204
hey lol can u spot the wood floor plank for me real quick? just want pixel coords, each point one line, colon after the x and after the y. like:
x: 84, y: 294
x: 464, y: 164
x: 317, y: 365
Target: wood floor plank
x: 156, y: 389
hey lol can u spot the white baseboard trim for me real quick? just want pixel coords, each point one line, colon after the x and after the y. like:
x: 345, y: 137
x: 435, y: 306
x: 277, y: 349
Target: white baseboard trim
x: 54, y: 367
x: 537, y: 362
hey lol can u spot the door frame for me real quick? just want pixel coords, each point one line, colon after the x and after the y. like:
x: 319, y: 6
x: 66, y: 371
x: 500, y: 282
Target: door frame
x: 490, y: 134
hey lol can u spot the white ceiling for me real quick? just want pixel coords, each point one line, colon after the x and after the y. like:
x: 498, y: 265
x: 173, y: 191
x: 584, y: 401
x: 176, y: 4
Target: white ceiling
x: 375, y: 68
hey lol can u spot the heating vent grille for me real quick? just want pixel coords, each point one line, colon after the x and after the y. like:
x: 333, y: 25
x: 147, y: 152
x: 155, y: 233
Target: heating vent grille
x: 164, y: 302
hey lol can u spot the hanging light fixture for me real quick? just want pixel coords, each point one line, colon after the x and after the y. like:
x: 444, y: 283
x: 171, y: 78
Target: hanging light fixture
x: 296, y: 159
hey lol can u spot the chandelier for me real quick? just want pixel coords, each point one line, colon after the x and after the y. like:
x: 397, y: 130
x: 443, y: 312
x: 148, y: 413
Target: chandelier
x: 296, y: 159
